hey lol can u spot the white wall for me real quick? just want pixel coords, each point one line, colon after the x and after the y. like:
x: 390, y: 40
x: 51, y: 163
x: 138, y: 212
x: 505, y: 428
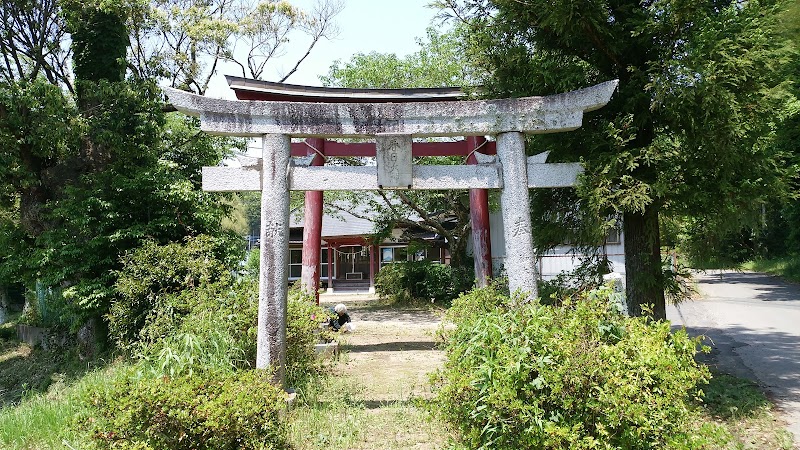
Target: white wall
x: 558, y: 260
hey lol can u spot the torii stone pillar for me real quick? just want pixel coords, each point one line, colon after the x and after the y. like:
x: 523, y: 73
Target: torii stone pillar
x: 392, y: 125
x: 272, y: 286
x: 514, y: 202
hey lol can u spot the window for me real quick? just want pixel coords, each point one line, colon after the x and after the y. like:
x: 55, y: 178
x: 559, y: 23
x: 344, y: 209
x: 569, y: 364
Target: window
x: 426, y: 254
x: 613, y: 236
x: 295, y: 263
x: 393, y: 254
x: 323, y: 264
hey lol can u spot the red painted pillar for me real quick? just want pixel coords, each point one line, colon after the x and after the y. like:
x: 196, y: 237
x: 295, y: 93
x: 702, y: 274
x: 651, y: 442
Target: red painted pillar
x: 312, y: 229
x: 479, y: 214
x: 331, y: 253
x: 372, y: 260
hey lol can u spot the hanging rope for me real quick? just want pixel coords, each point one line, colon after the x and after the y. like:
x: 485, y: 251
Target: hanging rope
x: 362, y: 252
x: 475, y: 150
x: 316, y: 150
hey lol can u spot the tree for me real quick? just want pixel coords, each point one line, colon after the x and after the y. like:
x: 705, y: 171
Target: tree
x: 688, y: 132
x: 31, y: 34
x: 437, y: 63
x: 86, y: 178
x: 186, y: 41
x: 92, y: 167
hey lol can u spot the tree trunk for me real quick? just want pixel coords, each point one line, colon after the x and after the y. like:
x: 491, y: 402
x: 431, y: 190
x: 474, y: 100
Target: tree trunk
x: 643, y: 272
x: 458, y: 252
x: 3, y: 304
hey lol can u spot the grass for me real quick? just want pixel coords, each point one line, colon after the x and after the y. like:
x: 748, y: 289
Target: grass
x: 786, y: 267
x: 335, y: 412
x: 44, y: 420
x: 736, y: 414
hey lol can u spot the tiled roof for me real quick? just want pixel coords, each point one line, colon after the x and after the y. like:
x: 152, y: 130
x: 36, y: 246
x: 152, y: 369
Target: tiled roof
x: 340, y: 223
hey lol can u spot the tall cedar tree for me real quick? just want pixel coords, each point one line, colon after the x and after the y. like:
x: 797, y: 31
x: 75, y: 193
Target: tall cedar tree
x: 86, y: 179
x: 687, y: 133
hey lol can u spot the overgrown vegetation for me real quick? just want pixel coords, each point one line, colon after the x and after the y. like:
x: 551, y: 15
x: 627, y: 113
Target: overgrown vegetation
x: 408, y: 281
x: 329, y: 413
x: 786, y: 267
x: 233, y: 410
x: 578, y: 375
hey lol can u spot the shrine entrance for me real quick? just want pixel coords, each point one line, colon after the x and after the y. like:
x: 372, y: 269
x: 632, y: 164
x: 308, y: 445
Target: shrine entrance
x: 392, y: 118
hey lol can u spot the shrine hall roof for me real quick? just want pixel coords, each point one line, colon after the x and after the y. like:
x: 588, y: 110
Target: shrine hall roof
x: 340, y: 223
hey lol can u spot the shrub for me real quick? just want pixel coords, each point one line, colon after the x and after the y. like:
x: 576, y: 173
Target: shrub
x: 153, y: 272
x: 578, y: 375
x: 239, y: 410
x: 303, y: 318
x: 404, y: 282
x: 211, y: 327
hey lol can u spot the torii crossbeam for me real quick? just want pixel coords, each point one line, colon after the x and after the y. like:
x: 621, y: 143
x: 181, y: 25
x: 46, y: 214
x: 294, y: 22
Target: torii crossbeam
x: 393, y: 124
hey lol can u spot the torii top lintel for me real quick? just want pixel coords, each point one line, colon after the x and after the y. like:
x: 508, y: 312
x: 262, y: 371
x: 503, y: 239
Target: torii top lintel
x: 249, y: 89
x: 548, y: 114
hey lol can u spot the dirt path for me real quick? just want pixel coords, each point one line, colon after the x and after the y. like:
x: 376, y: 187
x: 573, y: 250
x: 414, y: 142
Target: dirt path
x: 392, y: 350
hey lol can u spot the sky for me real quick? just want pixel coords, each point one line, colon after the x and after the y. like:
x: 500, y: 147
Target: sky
x: 385, y: 26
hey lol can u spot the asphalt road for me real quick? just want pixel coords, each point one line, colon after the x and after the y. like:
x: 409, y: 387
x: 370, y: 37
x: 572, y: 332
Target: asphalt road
x: 752, y: 321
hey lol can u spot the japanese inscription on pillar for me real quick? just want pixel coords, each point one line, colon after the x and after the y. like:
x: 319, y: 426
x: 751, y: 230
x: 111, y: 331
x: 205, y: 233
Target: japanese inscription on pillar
x: 393, y: 158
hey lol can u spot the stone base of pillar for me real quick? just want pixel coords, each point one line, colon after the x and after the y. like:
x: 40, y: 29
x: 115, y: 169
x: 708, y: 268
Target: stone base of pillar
x: 329, y: 290
x: 371, y: 290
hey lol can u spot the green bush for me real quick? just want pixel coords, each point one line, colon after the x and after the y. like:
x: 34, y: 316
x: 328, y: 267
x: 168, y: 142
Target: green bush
x: 578, y: 375
x: 404, y: 282
x: 303, y: 319
x: 153, y: 272
x: 240, y: 410
x: 213, y: 327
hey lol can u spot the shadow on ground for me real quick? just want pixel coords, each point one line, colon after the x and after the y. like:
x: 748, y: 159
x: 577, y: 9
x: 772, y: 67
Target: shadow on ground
x: 393, y: 347
x: 770, y: 288
x: 778, y: 369
x: 28, y: 370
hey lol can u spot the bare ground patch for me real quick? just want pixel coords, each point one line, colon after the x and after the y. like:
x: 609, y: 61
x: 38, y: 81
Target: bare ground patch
x: 385, y: 366
x: 392, y: 350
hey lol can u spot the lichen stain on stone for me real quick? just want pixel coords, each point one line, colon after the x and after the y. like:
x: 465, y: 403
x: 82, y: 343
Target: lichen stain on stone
x: 304, y: 116
x: 368, y: 120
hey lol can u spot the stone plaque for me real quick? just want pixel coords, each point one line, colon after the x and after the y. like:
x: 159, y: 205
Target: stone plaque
x: 393, y: 158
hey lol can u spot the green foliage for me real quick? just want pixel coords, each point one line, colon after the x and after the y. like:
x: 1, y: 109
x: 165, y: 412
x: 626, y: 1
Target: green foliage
x: 787, y: 267
x: 406, y: 281
x: 579, y: 375
x: 689, y: 133
x: 99, y: 39
x: 184, y: 43
x: 209, y: 328
x: 222, y: 410
x: 79, y: 190
x: 439, y: 62
x: 181, y: 311
x: 303, y: 319
x: 588, y: 275
x: 158, y: 284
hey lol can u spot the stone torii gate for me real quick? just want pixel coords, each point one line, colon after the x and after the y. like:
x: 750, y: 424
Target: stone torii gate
x: 392, y: 125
